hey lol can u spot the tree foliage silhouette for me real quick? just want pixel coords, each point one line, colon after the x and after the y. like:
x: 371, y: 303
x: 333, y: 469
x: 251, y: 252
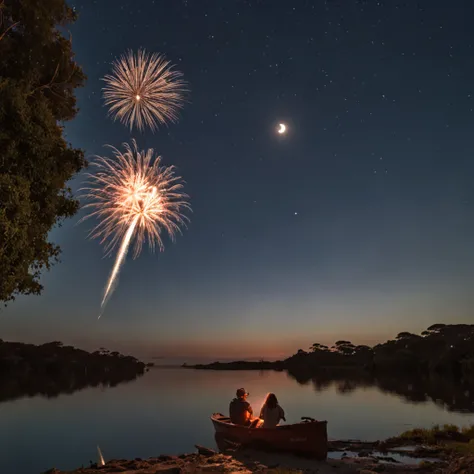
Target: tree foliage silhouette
x: 38, y: 77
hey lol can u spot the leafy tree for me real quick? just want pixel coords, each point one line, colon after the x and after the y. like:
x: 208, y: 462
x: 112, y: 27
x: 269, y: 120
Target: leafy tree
x: 363, y: 349
x: 53, y: 344
x: 345, y: 347
x: 318, y: 347
x: 436, y: 328
x: 405, y: 335
x: 38, y: 76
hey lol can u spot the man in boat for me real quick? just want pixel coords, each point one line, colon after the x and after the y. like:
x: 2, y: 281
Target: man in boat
x: 241, y: 412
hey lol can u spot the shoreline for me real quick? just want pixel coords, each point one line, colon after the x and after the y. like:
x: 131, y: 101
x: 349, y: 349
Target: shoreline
x: 446, y: 449
x: 407, y: 353
x: 53, y: 368
x: 439, y: 450
x: 245, y: 462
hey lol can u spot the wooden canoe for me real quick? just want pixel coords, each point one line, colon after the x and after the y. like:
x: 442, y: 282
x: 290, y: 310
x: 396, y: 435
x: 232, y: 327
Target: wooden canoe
x: 308, y: 438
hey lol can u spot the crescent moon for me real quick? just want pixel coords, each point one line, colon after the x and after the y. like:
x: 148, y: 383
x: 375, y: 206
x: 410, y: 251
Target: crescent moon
x: 282, y: 128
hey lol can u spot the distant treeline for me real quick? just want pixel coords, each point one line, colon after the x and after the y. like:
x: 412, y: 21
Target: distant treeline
x: 441, y: 349
x: 52, y: 368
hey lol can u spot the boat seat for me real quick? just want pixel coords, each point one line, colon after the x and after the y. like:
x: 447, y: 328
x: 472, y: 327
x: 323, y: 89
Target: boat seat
x: 221, y: 417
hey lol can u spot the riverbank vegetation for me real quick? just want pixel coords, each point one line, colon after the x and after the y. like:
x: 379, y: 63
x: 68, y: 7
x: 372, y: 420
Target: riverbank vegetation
x: 446, y: 349
x: 449, y: 438
x: 442, y: 349
x: 52, y: 368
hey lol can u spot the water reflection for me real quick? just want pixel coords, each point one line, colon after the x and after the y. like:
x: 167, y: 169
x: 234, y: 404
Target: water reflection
x: 13, y: 387
x: 446, y: 393
x: 65, y: 431
x: 455, y: 395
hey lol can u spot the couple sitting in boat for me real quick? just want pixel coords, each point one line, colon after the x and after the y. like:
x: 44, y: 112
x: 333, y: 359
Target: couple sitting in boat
x: 241, y: 412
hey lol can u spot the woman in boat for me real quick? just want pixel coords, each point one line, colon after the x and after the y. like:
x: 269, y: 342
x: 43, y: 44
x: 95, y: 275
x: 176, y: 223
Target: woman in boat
x: 271, y: 412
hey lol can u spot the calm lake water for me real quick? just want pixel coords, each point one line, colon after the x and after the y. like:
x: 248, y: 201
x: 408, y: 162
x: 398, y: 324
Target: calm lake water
x: 167, y: 411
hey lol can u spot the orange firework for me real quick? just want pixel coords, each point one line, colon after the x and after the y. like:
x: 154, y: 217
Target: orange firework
x: 134, y: 197
x: 144, y: 90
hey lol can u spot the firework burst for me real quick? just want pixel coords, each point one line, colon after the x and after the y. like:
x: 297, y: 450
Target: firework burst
x: 134, y: 198
x: 144, y: 90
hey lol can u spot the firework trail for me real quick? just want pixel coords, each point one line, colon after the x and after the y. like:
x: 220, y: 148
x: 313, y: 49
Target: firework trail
x: 144, y: 90
x: 101, y: 458
x: 118, y: 262
x: 134, y: 198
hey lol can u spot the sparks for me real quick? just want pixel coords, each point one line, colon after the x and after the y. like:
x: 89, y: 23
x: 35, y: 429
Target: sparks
x: 144, y: 90
x: 134, y: 197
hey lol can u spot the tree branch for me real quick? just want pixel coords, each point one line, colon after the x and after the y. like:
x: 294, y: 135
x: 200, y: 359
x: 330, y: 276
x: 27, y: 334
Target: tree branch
x: 8, y: 29
x: 49, y: 84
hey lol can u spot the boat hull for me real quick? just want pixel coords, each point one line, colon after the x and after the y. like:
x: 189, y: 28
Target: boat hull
x: 306, y: 438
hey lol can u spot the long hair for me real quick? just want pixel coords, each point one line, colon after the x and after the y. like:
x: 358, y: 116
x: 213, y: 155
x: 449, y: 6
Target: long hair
x: 271, y: 401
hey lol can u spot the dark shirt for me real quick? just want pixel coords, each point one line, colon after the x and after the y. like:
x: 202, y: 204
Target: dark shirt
x: 239, y: 411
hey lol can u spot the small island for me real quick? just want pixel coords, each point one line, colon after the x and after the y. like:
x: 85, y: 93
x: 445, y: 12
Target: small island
x: 52, y: 368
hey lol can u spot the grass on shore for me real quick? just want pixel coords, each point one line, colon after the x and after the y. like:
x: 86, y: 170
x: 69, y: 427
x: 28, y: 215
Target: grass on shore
x: 450, y: 437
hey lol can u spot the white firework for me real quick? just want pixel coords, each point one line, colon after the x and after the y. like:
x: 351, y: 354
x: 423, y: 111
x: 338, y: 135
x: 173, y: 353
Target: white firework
x: 144, y: 90
x: 135, y: 198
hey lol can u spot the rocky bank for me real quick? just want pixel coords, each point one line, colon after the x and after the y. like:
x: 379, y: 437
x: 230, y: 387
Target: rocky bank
x: 250, y: 461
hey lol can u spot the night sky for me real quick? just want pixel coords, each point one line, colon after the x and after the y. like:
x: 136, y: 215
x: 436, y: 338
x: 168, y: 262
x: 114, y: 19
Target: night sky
x: 358, y: 223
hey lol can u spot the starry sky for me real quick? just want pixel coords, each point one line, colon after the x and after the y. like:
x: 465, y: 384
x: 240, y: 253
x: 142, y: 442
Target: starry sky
x: 358, y: 223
